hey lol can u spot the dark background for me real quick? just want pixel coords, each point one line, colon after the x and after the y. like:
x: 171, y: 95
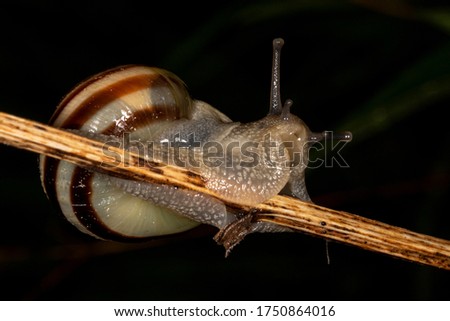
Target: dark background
x: 380, y: 69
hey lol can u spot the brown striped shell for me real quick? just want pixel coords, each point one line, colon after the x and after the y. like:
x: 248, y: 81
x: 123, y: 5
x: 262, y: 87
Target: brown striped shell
x: 122, y: 100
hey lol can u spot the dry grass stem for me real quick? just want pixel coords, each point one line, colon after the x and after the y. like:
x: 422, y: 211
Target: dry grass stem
x: 286, y: 211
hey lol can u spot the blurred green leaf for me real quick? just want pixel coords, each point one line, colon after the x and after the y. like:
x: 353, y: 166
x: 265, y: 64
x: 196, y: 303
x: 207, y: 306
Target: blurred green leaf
x: 439, y: 17
x: 258, y: 12
x: 425, y: 82
x: 241, y: 16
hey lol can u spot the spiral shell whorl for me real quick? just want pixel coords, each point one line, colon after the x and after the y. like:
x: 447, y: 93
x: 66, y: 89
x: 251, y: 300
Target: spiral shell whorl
x: 128, y: 99
x: 131, y: 96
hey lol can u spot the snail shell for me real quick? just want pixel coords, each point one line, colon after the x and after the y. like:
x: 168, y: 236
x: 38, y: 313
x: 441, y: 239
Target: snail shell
x: 145, y: 105
x: 124, y: 99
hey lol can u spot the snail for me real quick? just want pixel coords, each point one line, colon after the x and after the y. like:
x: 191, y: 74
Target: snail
x: 149, y: 110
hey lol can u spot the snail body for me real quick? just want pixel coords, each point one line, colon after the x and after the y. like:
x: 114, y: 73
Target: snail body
x: 137, y: 108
